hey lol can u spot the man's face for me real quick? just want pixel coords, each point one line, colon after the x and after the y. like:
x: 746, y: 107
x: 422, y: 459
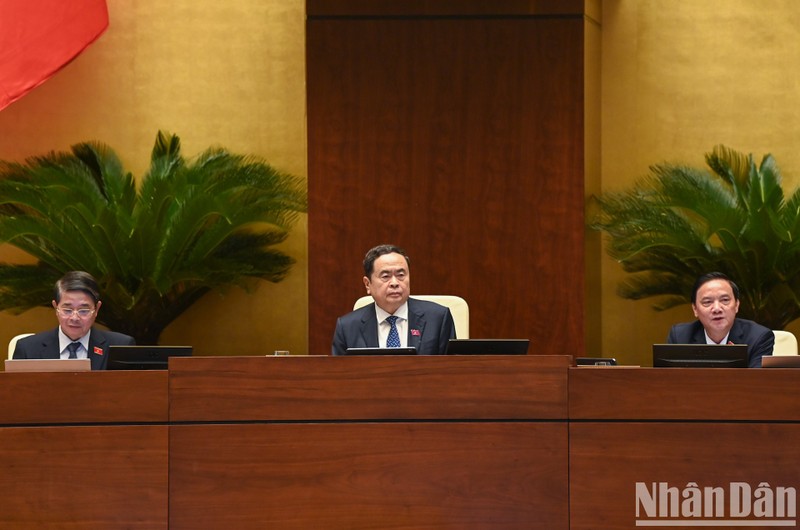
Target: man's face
x: 76, y: 326
x: 716, y: 308
x: 389, y: 284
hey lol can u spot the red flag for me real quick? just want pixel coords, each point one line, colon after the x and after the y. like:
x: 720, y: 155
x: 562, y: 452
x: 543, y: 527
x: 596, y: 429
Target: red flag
x: 39, y: 37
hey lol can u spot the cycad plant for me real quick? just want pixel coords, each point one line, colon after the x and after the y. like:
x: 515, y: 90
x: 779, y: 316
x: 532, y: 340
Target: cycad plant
x: 155, y: 246
x: 680, y: 222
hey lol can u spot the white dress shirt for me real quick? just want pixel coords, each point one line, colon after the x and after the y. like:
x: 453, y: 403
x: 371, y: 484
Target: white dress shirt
x: 709, y: 340
x: 401, y: 323
x: 64, y: 341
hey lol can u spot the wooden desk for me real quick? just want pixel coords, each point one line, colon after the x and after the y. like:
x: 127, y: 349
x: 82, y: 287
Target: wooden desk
x: 641, y: 438
x: 353, y: 442
x: 398, y: 442
x: 84, y: 450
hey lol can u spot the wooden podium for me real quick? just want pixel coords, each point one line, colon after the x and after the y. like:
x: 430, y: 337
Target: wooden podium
x: 440, y: 442
x: 84, y: 450
x: 357, y: 442
x: 678, y: 447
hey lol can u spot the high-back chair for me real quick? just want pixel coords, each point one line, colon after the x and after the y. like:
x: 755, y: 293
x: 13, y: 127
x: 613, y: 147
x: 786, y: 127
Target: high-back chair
x: 13, y: 343
x: 785, y: 343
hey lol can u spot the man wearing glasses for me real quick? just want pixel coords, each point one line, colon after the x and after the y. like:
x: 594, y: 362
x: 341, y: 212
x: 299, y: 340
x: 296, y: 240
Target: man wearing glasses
x: 77, y: 301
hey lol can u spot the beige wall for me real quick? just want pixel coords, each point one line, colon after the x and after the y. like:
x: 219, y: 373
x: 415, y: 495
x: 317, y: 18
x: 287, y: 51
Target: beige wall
x: 226, y: 73
x: 680, y: 76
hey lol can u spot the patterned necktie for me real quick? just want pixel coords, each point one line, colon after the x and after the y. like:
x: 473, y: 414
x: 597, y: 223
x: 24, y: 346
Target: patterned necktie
x: 73, y: 349
x: 394, y: 337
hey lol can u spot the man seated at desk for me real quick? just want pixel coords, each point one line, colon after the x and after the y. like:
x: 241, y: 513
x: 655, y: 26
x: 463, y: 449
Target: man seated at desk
x: 715, y: 302
x: 76, y: 301
x: 394, y: 319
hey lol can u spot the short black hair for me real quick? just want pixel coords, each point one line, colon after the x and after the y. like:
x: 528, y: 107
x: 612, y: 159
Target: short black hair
x: 77, y: 281
x: 376, y: 252
x: 705, y: 278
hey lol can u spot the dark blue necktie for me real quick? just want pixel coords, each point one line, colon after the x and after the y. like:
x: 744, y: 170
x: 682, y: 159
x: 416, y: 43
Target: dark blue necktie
x: 394, y: 337
x: 73, y: 349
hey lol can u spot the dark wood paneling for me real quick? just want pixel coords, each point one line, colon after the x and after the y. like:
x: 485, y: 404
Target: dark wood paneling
x: 683, y: 394
x: 688, y: 430
x: 83, y: 397
x: 70, y: 457
x: 92, y: 477
x: 328, y: 388
x: 353, y: 443
x: 351, y: 476
x: 460, y: 139
x: 608, y: 459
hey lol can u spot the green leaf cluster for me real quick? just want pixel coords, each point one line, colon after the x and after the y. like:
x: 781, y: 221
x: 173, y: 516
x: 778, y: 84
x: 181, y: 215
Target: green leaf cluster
x: 188, y: 227
x: 680, y: 222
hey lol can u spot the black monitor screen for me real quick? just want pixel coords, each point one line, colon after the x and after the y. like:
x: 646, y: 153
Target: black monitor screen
x: 144, y: 357
x: 381, y: 351
x: 700, y: 355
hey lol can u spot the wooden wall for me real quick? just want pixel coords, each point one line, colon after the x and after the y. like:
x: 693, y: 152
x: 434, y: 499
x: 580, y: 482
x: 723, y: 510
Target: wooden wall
x: 455, y: 130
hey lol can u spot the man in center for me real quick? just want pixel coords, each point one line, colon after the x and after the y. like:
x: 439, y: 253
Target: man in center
x: 394, y: 320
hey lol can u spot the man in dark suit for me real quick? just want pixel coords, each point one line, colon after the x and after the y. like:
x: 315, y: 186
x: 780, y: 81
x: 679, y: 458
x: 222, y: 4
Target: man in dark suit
x: 77, y: 302
x: 394, y: 320
x: 715, y: 302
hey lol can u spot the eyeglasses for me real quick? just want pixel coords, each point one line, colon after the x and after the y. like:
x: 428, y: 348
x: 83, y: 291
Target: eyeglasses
x: 70, y: 312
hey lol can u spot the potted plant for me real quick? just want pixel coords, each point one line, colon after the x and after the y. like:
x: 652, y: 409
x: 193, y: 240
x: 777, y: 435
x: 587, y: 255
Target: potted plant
x: 680, y: 222
x: 155, y: 246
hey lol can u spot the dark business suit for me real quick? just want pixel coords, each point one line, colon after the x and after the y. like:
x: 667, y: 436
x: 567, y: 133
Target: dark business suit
x: 759, y: 339
x: 430, y: 326
x: 44, y: 345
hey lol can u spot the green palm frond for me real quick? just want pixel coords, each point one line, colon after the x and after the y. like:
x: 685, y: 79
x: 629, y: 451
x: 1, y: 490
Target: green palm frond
x: 680, y: 222
x: 192, y: 226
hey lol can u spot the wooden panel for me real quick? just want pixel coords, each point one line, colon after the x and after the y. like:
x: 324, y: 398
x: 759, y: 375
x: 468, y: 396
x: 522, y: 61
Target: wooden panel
x: 683, y: 394
x: 458, y: 476
x: 91, y: 477
x: 84, y: 397
x: 349, y: 388
x: 608, y: 460
x: 460, y: 139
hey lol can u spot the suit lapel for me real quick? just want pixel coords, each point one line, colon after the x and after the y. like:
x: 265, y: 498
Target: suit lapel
x: 49, y: 346
x: 736, y: 334
x: 97, y: 349
x: 699, y: 334
x: 416, y: 324
x: 369, y: 328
